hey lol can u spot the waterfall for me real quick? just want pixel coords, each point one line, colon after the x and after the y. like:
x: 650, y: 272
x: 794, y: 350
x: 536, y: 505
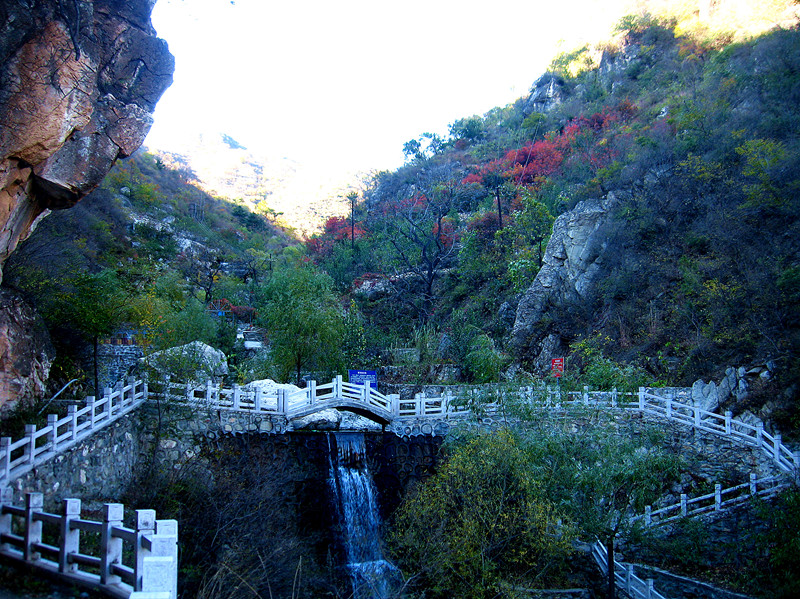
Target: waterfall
x: 373, y: 577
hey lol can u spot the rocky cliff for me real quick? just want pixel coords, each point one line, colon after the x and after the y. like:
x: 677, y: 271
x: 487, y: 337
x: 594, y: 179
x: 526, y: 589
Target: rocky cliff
x: 571, y: 265
x: 78, y: 85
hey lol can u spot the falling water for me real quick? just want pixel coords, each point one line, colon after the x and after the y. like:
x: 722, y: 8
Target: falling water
x: 372, y: 576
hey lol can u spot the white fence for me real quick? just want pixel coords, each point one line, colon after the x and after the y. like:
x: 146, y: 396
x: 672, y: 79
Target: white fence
x: 41, y: 444
x: 626, y: 580
x: 130, y: 563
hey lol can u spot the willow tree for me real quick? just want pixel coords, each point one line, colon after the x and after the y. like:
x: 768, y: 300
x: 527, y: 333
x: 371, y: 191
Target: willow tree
x: 304, y: 321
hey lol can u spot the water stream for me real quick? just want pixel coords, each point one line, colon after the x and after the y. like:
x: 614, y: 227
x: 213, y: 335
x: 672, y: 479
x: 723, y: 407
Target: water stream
x: 372, y: 576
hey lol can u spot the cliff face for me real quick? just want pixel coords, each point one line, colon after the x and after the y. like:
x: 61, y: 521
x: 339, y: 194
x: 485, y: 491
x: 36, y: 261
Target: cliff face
x: 78, y: 84
x: 571, y: 266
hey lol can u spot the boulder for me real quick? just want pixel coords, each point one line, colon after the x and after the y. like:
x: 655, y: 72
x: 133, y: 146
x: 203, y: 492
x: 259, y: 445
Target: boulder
x: 194, y: 362
x: 324, y: 420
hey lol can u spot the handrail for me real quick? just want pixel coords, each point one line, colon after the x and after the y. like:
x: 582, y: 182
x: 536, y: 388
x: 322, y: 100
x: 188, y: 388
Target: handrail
x: 41, y: 444
x: 129, y: 563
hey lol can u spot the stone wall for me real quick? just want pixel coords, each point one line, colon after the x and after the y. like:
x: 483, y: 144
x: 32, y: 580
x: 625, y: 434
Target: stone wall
x: 115, y: 361
x: 98, y: 469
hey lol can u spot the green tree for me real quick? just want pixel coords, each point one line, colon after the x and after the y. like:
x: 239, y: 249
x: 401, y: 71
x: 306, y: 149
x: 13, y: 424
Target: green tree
x: 482, y: 524
x: 305, y: 323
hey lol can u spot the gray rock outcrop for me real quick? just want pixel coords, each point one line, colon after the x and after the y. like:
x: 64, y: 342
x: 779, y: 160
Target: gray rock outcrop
x: 571, y: 265
x: 78, y: 84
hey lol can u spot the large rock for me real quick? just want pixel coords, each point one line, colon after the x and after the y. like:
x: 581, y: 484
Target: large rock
x: 194, y: 362
x: 571, y: 265
x: 78, y: 84
x: 26, y: 353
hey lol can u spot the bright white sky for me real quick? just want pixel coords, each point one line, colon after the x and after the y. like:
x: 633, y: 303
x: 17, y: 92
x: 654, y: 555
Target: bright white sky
x: 347, y: 83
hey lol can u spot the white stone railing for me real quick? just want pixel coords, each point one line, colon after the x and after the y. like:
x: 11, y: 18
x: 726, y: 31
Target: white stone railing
x: 625, y: 579
x: 41, y: 444
x: 130, y: 563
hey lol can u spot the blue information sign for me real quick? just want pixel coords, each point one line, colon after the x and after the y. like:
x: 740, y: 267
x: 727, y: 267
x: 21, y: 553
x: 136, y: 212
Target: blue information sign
x: 361, y: 376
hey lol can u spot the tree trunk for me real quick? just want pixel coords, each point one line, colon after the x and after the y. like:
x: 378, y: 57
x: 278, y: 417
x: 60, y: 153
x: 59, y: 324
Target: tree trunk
x: 612, y: 581
x: 96, y: 343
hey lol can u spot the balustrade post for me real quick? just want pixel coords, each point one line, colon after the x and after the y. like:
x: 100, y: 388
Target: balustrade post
x: 236, y: 396
x: 669, y: 408
x: 108, y: 395
x: 337, y: 387
x: 72, y: 412
x: 257, y: 400
x: 728, y: 417
x: 628, y: 577
x: 717, y: 497
x: 145, y: 525
x: 445, y: 401
x: 796, y: 460
x: 752, y: 483
x: 92, y: 418
x: 648, y: 515
x: 696, y: 413
x: 165, y: 391
x: 145, y: 391
x: 209, y: 391
x: 168, y: 529
x: 33, y: 528
x: 312, y: 392
x: 5, y: 455
x: 53, y: 434
x: 395, y: 398
x: 6, y: 498
x: 649, y: 589
x: 641, y: 399
x: 418, y: 399
x: 365, y: 393
x: 282, y: 401
x: 30, y: 446
x: 760, y: 434
x: 586, y: 395
x: 614, y: 397
x: 70, y: 536
x: 683, y: 504
x: 110, y: 546
x: 777, y: 448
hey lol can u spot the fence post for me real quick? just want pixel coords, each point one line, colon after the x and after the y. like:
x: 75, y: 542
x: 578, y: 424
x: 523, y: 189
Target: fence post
x: 33, y: 528
x: 72, y: 412
x: 6, y: 498
x: 53, y: 435
x: 628, y: 577
x: 165, y: 390
x: 696, y: 410
x: 648, y: 515
x: 282, y: 401
x: 728, y: 416
x: 108, y: 395
x: 683, y: 504
x: 777, y: 448
x: 418, y: 399
x: 145, y: 391
x: 30, y: 447
x: 337, y: 387
x: 132, y: 385
x: 586, y: 395
x: 169, y: 529
x: 110, y: 546
x: 236, y: 396
x: 257, y: 400
x: 649, y: 589
x: 209, y: 390
x: 669, y: 408
x: 641, y: 399
x: 752, y: 483
x: 70, y: 537
x: 366, y: 392
x: 614, y: 397
x: 395, y: 404
x: 145, y: 525
x: 90, y: 405
x: 717, y: 497
x: 312, y: 392
x: 759, y: 433
x: 5, y: 453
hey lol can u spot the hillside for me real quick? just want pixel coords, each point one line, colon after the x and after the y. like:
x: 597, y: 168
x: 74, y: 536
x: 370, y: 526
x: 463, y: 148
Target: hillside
x: 684, y: 148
